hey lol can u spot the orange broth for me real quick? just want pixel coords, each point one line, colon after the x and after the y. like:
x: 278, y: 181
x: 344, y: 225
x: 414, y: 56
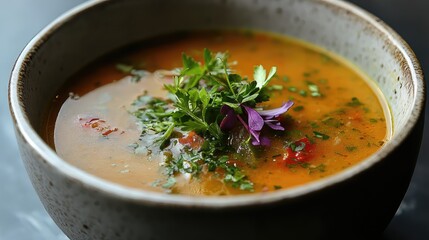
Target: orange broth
x: 345, y: 125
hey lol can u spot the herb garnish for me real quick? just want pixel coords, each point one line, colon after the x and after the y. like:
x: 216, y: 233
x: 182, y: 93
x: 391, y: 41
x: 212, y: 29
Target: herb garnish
x: 298, y: 108
x: 303, y: 93
x: 136, y: 75
x: 320, y: 135
x: 314, y: 89
x: 354, y: 102
x: 210, y: 100
x: 351, y: 148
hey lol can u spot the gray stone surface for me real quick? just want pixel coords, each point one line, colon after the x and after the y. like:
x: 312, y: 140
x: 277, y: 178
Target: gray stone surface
x: 21, y: 214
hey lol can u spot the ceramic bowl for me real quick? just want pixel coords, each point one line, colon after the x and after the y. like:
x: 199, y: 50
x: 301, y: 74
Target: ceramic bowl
x: 357, y: 202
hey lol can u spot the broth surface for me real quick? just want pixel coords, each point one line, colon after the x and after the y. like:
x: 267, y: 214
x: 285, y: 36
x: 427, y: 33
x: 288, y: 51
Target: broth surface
x: 345, y: 125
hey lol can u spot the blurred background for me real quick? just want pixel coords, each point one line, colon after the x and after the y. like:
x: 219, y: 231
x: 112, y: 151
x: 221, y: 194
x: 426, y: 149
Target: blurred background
x: 22, y: 216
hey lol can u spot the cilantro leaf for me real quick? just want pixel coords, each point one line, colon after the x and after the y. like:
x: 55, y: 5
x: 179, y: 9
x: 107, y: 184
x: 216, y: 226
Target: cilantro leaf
x: 260, y: 76
x: 196, y: 96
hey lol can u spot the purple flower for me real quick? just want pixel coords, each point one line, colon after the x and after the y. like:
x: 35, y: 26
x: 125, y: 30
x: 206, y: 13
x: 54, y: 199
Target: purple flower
x: 263, y: 141
x: 273, y: 113
x: 230, y: 119
x: 270, y: 116
x: 255, y: 121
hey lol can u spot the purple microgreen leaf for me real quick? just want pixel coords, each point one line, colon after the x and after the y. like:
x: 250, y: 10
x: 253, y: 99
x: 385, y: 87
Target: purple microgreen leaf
x: 274, y: 124
x: 276, y: 111
x: 255, y: 134
x: 225, y: 109
x: 229, y: 121
x: 256, y: 122
x: 264, y: 141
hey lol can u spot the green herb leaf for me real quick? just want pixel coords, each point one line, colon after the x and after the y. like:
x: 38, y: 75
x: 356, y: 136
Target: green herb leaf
x: 260, y: 76
x: 292, y: 89
x: 275, y: 87
x: 303, y: 93
x: 354, y: 102
x: 314, y: 89
x: 196, y: 96
x: 124, y: 68
x: 320, y: 135
x: 298, y: 108
x: 171, y: 181
x: 351, y: 148
x: 286, y: 79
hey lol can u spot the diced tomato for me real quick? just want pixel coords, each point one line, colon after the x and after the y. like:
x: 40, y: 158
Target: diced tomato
x: 356, y: 116
x: 89, y: 122
x: 192, y: 140
x: 301, y: 153
x: 109, y: 131
x: 98, y: 125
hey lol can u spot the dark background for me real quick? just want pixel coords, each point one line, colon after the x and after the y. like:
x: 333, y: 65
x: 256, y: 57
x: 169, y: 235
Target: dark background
x: 22, y: 215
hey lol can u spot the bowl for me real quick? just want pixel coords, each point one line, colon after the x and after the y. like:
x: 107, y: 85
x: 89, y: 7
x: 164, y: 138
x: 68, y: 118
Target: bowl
x: 357, y: 202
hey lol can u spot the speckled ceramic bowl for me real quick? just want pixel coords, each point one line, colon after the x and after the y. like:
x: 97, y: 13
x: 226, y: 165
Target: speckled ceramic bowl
x: 357, y: 202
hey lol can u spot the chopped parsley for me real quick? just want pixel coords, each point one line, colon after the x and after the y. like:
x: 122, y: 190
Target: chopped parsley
x: 333, y: 122
x: 314, y: 125
x: 198, y: 97
x: 124, y: 68
x: 297, y: 146
x: 303, y: 93
x: 318, y: 168
x: 320, y: 135
x: 298, y: 108
x: 354, y: 102
x: 286, y: 79
x: 314, y: 89
x: 292, y: 89
x: 136, y: 75
x: 351, y: 148
x: 275, y: 87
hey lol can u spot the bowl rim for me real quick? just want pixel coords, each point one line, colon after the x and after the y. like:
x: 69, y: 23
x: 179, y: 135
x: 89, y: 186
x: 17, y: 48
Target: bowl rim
x: 124, y: 193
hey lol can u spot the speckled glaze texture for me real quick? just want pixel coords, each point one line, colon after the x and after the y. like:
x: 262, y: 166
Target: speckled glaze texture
x: 359, y: 201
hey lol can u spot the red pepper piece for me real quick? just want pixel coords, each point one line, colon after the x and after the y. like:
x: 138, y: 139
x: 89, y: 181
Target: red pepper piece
x: 98, y: 125
x: 193, y: 140
x: 301, y: 152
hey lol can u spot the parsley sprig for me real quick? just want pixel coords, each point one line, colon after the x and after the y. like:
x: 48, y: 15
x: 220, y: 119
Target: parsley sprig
x: 196, y: 97
x: 202, y: 89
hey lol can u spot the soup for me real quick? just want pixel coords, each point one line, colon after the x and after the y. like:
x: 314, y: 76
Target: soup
x: 197, y: 113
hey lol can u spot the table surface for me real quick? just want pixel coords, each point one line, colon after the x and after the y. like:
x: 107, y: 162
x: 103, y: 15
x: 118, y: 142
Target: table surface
x: 22, y: 215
